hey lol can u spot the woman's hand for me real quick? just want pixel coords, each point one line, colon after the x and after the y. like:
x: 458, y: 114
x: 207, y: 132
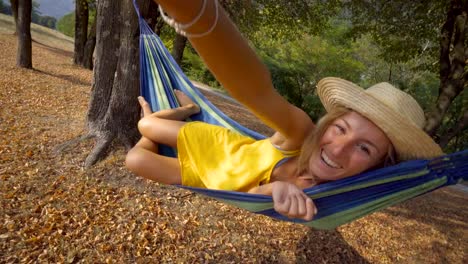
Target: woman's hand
x: 292, y: 202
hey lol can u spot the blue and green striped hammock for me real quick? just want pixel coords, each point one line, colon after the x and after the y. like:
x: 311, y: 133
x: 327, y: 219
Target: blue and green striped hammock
x: 338, y: 202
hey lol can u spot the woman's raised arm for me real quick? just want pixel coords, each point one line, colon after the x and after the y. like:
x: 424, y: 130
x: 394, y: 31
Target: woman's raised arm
x: 236, y: 66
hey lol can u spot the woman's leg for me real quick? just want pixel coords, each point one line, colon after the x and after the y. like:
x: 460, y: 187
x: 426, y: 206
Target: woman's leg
x: 162, y: 127
x: 159, y: 127
x: 150, y: 165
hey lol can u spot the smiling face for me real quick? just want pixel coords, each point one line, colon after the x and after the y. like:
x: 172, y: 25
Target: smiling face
x: 350, y: 145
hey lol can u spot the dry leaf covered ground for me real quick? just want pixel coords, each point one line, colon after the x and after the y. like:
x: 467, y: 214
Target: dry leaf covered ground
x: 54, y: 210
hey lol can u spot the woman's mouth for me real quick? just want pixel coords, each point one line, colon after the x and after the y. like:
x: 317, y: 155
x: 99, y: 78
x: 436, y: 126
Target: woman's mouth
x: 330, y: 163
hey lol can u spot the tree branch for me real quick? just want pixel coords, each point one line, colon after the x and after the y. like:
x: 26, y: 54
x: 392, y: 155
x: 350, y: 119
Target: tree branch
x: 461, y: 126
x: 445, y: 40
x: 452, y: 78
x: 100, y: 150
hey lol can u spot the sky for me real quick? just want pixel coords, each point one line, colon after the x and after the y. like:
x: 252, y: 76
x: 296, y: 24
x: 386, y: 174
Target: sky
x: 56, y: 8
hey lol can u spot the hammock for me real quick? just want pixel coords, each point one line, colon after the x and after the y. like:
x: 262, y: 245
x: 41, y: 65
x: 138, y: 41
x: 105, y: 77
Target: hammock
x: 338, y: 202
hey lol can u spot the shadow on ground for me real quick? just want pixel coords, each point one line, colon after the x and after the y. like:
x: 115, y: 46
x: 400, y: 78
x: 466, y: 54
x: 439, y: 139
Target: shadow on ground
x: 66, y: 77
x: 429, y: 208
x: 54, y: 49
x: 326, y: 247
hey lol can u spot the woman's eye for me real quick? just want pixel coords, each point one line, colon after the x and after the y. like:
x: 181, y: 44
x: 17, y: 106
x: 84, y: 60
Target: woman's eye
x: 364, y: 148
x: 340, y: 128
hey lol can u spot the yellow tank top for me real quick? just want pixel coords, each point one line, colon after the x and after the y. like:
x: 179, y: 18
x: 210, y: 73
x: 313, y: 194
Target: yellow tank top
x: 214, y: 157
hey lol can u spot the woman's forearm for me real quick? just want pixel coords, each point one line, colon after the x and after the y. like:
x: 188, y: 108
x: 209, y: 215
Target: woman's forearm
x: 265, y: 189
x: 224, y: 50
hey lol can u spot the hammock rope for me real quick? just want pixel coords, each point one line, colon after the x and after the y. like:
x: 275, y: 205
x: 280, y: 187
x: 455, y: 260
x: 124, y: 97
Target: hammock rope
x: 338, y: 202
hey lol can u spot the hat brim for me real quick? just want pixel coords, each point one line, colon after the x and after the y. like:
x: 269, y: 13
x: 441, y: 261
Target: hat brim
x: 409, y: 141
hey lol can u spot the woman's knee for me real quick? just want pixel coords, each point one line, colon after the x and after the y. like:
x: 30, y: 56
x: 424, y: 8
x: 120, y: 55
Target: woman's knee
x: 159, y: 130
x: 147, y: 124
x: 134, y: 159
x: 152, y: 166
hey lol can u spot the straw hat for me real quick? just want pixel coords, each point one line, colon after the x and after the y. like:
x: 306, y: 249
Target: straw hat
x: 395, y: 112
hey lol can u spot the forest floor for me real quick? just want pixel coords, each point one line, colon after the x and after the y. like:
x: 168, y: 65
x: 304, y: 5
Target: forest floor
x: 52, y: 209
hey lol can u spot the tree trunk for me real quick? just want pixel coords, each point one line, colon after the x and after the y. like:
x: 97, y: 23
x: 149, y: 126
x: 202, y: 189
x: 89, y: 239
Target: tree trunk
x: 153, y: 18
x: 14, y: 10
x: 23, y: 28
x: 152, y: 15
x: 81, y: 30
x: 89, y: 48
x: 178, y: 49
x: 452, y: 63
x: 114, y: 111
x: 107, y: 46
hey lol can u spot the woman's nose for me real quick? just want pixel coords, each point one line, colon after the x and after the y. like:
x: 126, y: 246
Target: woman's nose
x: 339, y: 146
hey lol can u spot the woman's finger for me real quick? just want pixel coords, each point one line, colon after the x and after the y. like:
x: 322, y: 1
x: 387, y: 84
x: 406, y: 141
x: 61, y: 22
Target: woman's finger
x: 144, y: 106
x: 293, y: 208
x: 301, y: 205
x: 311, y: 210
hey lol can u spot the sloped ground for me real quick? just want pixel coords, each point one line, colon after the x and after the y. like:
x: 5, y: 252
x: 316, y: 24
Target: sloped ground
x: 54, y: 210
x: 51, y: 38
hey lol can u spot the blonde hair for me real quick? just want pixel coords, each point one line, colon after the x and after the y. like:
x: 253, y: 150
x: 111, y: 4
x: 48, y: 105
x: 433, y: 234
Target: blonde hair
x: 311, y: 143
x: 391, y: 158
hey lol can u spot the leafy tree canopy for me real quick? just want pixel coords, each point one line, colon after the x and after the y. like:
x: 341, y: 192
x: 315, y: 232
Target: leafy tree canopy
x: 403, y: 29
x: 47, y: 21
x: 283, y: 19
x: 66, y: 24
x: 35, y: 13
x: 296, y: 66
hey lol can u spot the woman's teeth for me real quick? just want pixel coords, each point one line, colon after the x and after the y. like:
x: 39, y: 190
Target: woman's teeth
x: 328, y: 161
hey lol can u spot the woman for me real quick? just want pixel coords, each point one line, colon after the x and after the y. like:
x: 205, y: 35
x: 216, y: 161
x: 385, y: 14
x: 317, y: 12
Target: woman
x: 363, y: 129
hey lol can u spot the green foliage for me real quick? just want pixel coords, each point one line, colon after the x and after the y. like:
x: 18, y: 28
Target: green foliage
x: 35, y: 14
x: 192, y: 64
x: 408, y: 34
x: 298, y: 65
x: 408, y: 76
x: 66, y: 24
x: 195, y: 69
x: 167, y: 36
x: 92, y: 15
x: 403, y: 29
x: 267, y: 23
x: 461, y: 142
x: 47, y: 21
x: 281, y: 20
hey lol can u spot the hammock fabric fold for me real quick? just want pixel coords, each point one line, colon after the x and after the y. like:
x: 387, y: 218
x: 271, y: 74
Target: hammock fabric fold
x: 338, y: 202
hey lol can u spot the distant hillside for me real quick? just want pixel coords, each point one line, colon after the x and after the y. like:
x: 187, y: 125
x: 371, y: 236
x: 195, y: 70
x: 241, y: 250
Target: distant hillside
x: 45, y: 36
x: 56, y: 8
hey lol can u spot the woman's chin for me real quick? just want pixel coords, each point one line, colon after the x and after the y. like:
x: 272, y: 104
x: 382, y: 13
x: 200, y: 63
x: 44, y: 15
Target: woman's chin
x: 322, y: 171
